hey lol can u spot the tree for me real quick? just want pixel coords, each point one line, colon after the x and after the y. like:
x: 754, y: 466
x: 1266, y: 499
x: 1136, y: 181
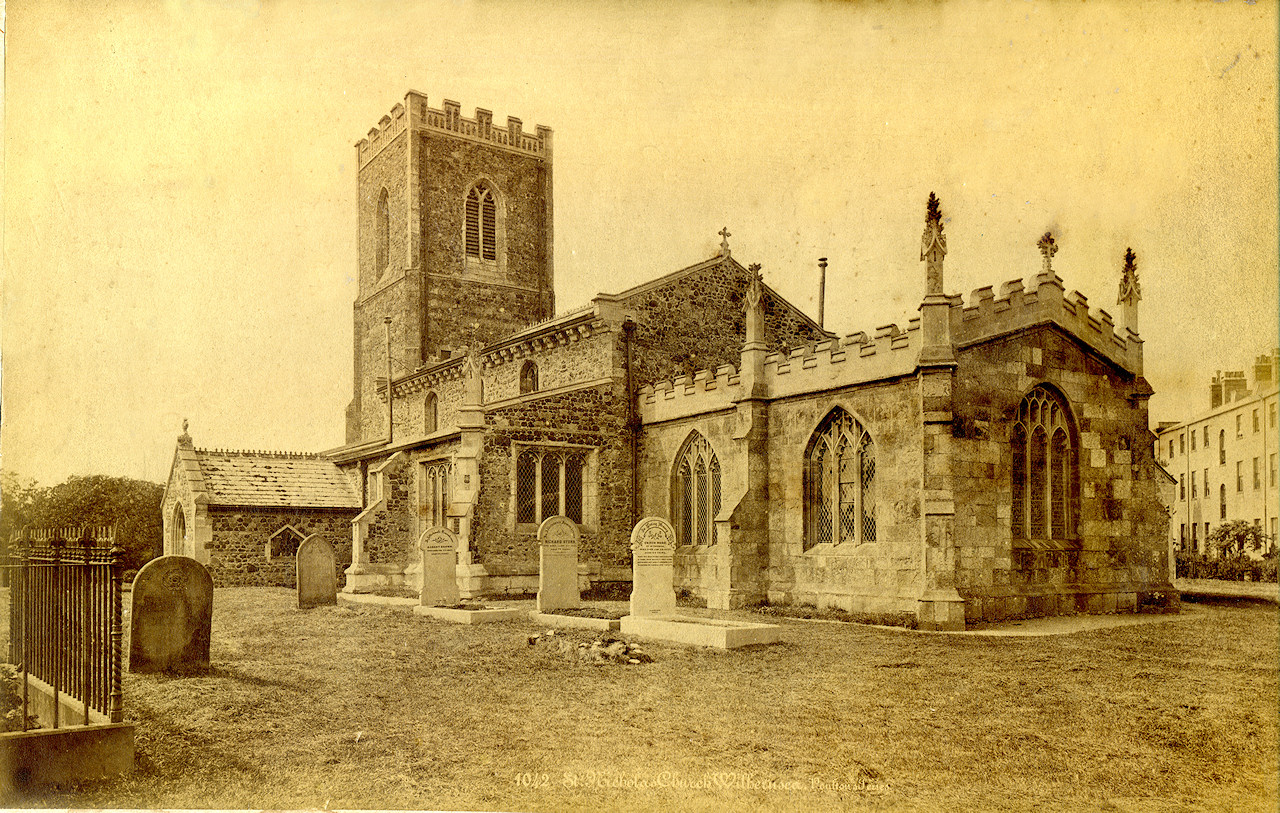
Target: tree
x: 1237, y: 536
x: 132, y: 506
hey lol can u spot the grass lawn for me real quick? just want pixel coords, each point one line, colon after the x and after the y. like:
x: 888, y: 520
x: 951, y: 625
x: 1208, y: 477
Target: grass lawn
x: 370, y: 707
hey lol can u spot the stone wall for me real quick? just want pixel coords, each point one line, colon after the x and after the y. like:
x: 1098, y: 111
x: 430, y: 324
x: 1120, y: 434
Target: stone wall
x: 594, y: 419
x: 696, y: 322
x: 1121, y: 520
x: 237, y: 555
x: 390, y: 537
x: 178, y: 492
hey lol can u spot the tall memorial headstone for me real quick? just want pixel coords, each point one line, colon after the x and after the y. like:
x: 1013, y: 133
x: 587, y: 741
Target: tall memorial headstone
x: 171, y: 616
x: 439, y: 548
x: 558, y: 565
x: 317, y: 573
x: 653, y: 548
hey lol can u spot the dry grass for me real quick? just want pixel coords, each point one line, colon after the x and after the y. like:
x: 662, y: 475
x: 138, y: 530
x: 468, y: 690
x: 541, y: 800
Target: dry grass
x: 371, y: 707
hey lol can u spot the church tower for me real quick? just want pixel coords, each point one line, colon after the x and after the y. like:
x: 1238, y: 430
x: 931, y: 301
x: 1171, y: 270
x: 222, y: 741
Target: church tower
x: 454, y: 242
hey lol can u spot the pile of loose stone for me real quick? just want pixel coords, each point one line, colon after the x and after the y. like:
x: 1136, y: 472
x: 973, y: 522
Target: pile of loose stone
x: 608, y: 648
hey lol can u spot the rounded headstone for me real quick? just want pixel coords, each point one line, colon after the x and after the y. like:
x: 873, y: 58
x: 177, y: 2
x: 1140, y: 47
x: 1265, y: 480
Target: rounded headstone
x: 317, y: 573
x: 171, y: 616
x: 557, y: 565
x: 439, y: 547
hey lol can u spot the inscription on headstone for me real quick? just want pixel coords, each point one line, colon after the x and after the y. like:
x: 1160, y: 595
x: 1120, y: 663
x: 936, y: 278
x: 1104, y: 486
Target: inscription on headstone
x: 439, y: 548
x: 317, y: 573
x: 557, y: 565
x: 653, y: 545
x: 170, y: 617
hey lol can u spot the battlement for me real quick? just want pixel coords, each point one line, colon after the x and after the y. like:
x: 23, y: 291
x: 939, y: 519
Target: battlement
x: 415, y: 113
x: 843, y: 361
x: 987, y: 316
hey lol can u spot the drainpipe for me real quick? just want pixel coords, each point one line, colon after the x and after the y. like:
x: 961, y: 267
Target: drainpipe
x: 633, y: 423
x: 386, y: 322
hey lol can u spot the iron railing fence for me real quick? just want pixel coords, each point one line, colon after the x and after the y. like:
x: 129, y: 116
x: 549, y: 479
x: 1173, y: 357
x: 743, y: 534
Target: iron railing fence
x: 65, y: 618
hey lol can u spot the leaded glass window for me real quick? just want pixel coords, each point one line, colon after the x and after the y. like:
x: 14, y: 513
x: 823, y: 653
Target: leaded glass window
x: 1044, y: 470
x: 840, y: 483
x: 433, y: 492
x: 696, y: 492
x: 549, y: 483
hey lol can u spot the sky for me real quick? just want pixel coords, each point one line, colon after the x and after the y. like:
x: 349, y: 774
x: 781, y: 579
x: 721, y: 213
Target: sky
x: 180, y: 207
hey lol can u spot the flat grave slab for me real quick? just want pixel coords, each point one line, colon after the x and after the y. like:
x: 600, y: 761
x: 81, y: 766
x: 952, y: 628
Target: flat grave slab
x: 459, y: 615
x: 710, y: 632
x: 574, y: 621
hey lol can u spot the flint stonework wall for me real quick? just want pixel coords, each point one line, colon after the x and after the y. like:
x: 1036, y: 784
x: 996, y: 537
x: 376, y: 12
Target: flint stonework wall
x: 1121, y: 520
x: 237, y: 555
x: 390, y: 539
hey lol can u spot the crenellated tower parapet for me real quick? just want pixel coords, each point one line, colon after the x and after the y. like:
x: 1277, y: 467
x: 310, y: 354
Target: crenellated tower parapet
x: 416, y: 113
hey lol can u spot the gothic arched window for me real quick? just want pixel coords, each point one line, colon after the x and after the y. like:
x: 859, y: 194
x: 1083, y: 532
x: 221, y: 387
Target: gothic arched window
x: 528, y: 378
x: 1045, y: 482
x: 433, y: 492
x: 839, y: 483
x: 382, y: 254
x: 695, y: 492
x: 178, y: 531
x: 482, y: 223
x: 430, y: 413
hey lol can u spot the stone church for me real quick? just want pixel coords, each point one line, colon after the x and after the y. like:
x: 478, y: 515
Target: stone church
x: 990, y: 459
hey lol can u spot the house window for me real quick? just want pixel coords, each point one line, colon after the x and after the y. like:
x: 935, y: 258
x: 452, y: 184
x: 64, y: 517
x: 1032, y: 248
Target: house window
x: 1193, y: 441
x: 695, y: 493
x: 839, y: 483
x: 284, y: 542
x: 1257, y: 422
x: 1182, y: 486
x: 1239, y: 426
x: 1271, y: 475
x: 1170, y: 448
x: 382, y: 231
x: 1193, y: 486
x: 1271, y: 416
x: 528, y: 378
x: 1045, y: 481
x: 1222, y: 501
x: 1206, y: 437
x: 430, y: 413
x: 433, y: 492
x: 549, y: 484
x: 482, y: 223
x: 1194, y: 528
x: 1182, y: 444
x: 1222, y: 447
x: 1239, y: 475
x: 1206, y: 530
x: 1182, y: 539
x: 1206, y: 484
x: 1257, y: 473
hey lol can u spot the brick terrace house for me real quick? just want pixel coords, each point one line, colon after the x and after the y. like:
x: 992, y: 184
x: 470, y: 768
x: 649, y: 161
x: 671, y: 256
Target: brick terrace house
x: 989, y: 460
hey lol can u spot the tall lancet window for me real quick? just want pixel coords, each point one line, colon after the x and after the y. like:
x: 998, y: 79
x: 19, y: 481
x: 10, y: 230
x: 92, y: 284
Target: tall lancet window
x: 695, y: 493
x: 840, y: 483
x: 482, y: 223
x: 1044, y: 471
x: 382, y: 252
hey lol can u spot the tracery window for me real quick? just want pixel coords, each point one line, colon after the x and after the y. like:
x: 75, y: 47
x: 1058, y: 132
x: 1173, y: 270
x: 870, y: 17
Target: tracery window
x: 1044, y: 469
x: 433, y: 492
x: 549, y: 484
x: 430, y: 413
x: 528, y: 378
x: 695, y: 494
x: 482, y: 223
x: 839, y: 483
x: 382, y: 252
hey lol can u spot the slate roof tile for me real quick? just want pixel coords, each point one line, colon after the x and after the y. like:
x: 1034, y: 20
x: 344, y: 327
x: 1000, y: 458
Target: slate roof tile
x: 274, y: 479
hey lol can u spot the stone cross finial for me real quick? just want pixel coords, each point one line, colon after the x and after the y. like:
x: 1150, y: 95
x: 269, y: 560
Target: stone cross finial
x: 1130, y: 291
x: 1047, y: 249
x: 724, y: 241
x: 933, y: 245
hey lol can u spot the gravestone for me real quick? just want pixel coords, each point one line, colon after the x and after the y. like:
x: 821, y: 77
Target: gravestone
x: 172, y: 611
x: 557, y: 565
x: 653, y: 547
x: 317, y: 573
x: 439, y: 548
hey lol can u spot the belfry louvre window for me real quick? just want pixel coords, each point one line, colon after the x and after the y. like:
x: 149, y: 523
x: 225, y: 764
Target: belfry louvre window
x: 549, y: 484
x: 433, y: 492
x: 695, y: 493
x: 1044, y: 469
x: 482, y: 223
x: 839, y: 483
